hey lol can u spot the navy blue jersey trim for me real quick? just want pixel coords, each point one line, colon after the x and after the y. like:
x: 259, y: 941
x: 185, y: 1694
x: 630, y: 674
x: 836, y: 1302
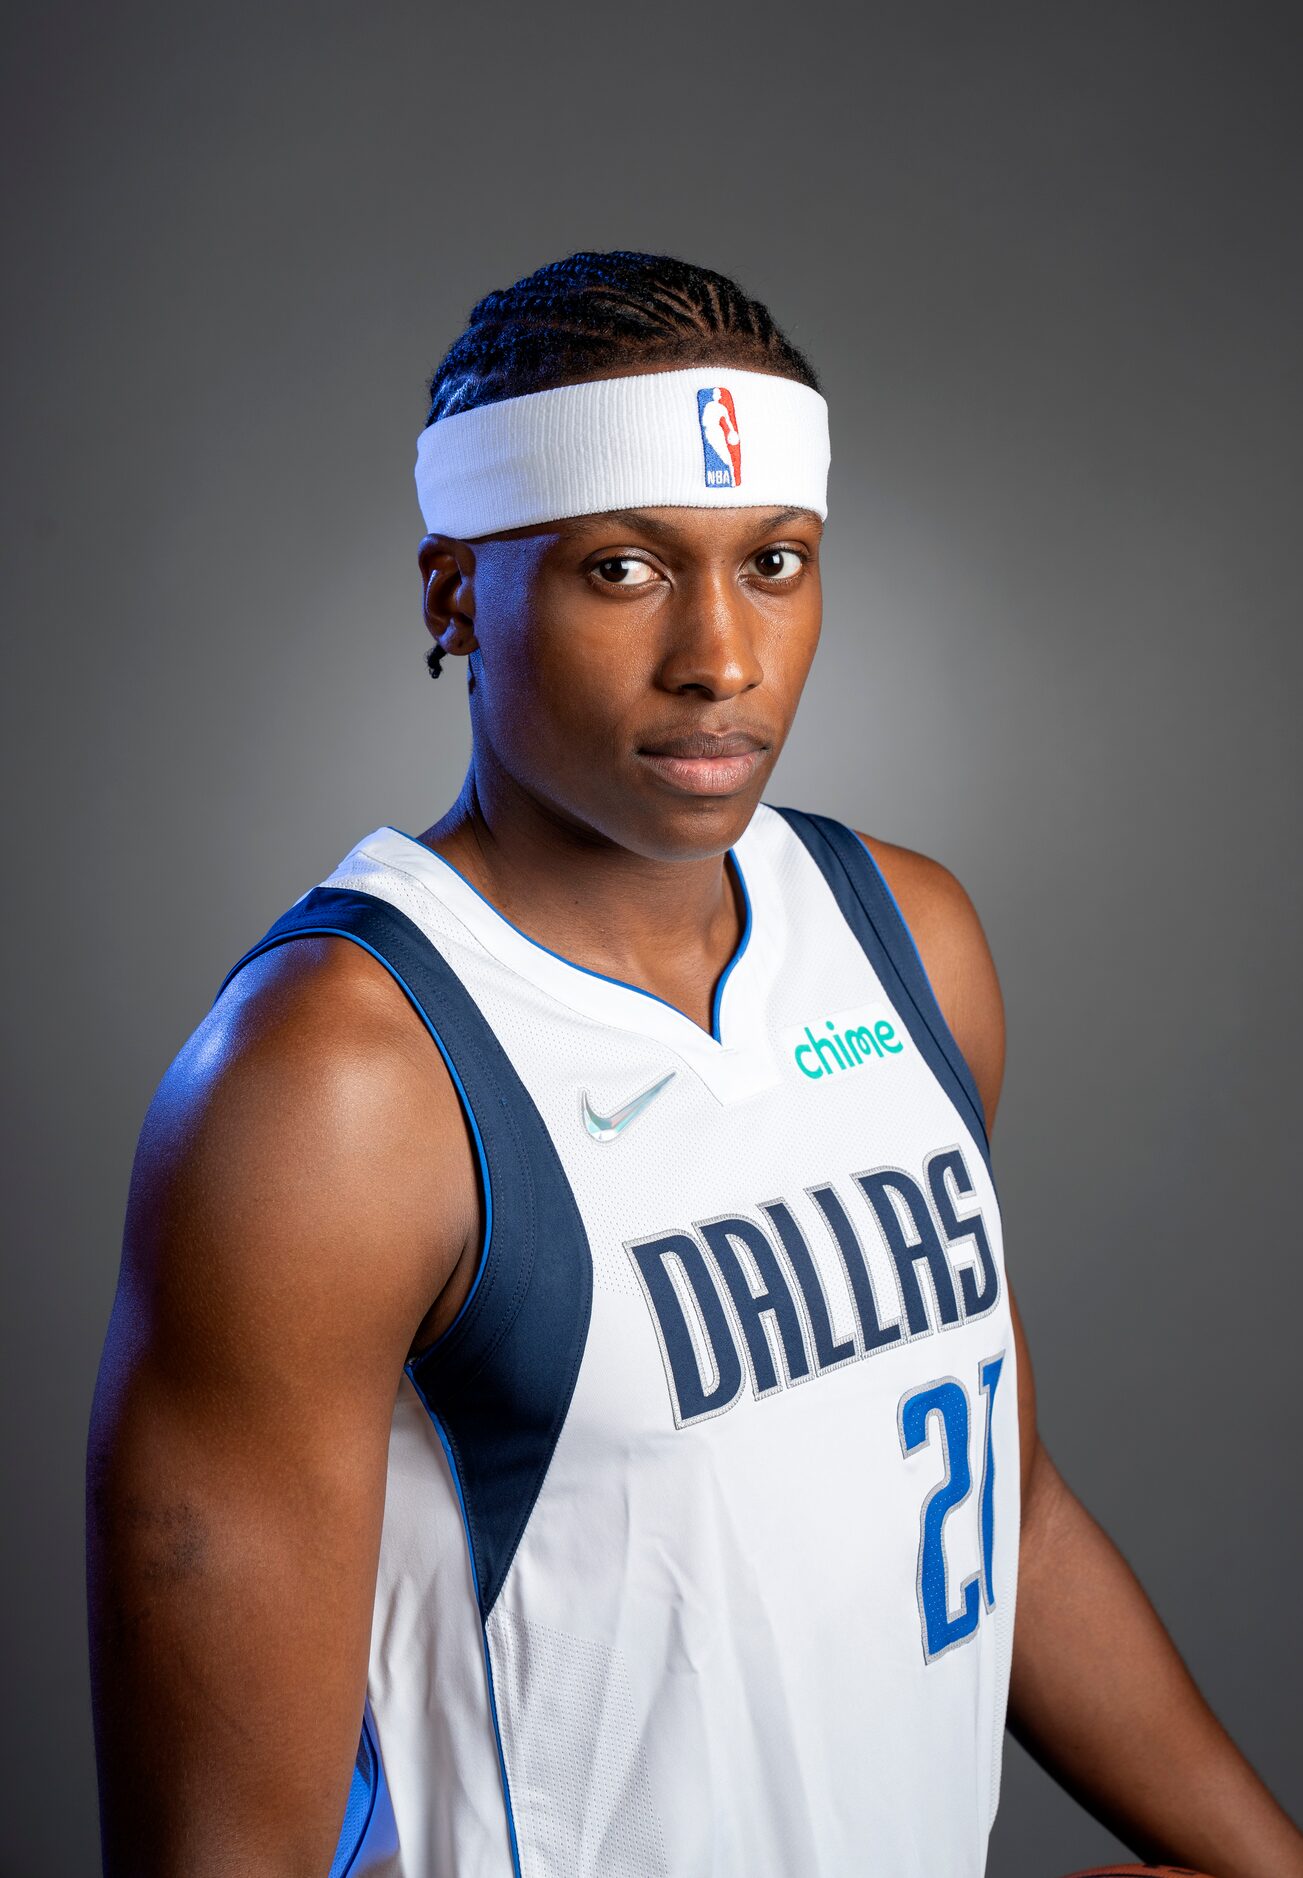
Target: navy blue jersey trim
x: 870, y: 910
x: 501, y: 1377
x: 346, y: 1853
x: 374, y: 1837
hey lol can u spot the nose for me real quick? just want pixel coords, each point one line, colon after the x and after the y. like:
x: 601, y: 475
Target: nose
x: 713, y: 639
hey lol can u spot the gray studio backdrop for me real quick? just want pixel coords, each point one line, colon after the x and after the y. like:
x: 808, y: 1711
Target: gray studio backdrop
x: 1047, y: 260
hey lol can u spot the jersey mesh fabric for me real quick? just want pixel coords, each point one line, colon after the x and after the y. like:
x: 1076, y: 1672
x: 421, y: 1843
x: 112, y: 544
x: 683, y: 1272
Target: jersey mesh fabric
x: 588, y: 1801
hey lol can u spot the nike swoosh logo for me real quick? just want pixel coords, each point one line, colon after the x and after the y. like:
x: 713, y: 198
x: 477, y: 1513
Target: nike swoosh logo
x: 607, y: 1127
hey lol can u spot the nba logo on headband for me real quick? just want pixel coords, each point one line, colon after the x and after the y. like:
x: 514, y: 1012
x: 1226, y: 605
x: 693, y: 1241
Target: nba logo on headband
x: 720, y: 439
x: 621, y: 443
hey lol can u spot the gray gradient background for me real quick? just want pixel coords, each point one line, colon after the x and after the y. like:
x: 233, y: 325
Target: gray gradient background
x: 1047, y: 260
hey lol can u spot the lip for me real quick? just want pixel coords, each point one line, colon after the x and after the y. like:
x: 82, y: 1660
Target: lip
x: 717, y: 775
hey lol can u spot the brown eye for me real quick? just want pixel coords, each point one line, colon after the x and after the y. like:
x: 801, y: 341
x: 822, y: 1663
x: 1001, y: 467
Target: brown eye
x: 622, y: 570
x: 777, y: 563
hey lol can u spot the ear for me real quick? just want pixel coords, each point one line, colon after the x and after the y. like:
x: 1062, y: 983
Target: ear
x: 448, y: 592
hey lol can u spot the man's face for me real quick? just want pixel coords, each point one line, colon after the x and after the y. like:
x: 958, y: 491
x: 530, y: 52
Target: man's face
x: 604, y: 638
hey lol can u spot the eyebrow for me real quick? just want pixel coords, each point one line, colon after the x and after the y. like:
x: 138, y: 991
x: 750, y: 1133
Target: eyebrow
x: 666, y: 531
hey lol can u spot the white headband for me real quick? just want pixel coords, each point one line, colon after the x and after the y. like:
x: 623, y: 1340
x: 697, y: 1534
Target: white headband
x: 709, y: 437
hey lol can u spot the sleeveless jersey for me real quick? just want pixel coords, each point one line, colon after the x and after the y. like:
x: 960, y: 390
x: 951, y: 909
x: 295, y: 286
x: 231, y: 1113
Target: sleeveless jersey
x: 701, y: 1525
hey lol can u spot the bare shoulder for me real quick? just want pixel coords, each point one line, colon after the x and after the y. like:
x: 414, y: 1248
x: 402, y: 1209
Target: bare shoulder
x: 301, y: 1195
x: 956, y: 956
x: 304, y: 1161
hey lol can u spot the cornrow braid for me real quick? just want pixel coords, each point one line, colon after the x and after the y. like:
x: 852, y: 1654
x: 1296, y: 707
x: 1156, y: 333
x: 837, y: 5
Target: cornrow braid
x: 592, y: 311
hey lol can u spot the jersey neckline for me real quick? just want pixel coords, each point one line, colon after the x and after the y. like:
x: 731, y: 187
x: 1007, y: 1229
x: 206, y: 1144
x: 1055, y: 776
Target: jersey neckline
x: 641, y: 990
x: 734, y: 1058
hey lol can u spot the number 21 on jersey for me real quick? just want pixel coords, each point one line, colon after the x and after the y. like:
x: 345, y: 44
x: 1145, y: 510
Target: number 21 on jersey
x: 941, y: 1409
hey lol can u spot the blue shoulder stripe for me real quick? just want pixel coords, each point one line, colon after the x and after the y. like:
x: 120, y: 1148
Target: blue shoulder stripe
x: 368, y: 1840
x: 870, y: 910
x: 498, y: 1382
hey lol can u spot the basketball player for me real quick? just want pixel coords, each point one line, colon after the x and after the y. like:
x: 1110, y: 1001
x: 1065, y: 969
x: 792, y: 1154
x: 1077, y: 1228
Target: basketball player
x: 565, y: 1411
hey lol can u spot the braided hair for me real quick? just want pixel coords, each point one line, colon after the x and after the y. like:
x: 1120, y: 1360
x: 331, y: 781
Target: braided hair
x: 593, y: 311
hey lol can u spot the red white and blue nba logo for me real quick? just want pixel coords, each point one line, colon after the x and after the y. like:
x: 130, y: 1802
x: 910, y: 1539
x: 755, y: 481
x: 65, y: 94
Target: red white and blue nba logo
x: 720, y: 438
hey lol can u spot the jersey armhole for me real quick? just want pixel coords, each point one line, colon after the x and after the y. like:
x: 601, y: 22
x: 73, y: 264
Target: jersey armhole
x: 872, y: 912
x: 294, y: 926
x: 518, y: 1338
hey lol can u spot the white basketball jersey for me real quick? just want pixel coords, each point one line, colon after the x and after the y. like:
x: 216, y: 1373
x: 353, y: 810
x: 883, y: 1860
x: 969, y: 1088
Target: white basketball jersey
x: 701, y: 1529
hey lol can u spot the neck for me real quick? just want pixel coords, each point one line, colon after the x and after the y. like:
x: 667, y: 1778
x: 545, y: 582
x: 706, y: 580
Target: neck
x: 669, y: 926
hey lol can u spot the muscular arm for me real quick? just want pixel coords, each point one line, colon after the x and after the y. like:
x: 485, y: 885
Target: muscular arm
x: 1099, y: 1694
x: 291, y: 1219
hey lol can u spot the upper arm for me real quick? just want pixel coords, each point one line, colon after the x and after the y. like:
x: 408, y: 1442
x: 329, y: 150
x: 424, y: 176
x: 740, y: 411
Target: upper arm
x: 955, y: 954
x: 957, y: 959
x: 292, y: 1214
